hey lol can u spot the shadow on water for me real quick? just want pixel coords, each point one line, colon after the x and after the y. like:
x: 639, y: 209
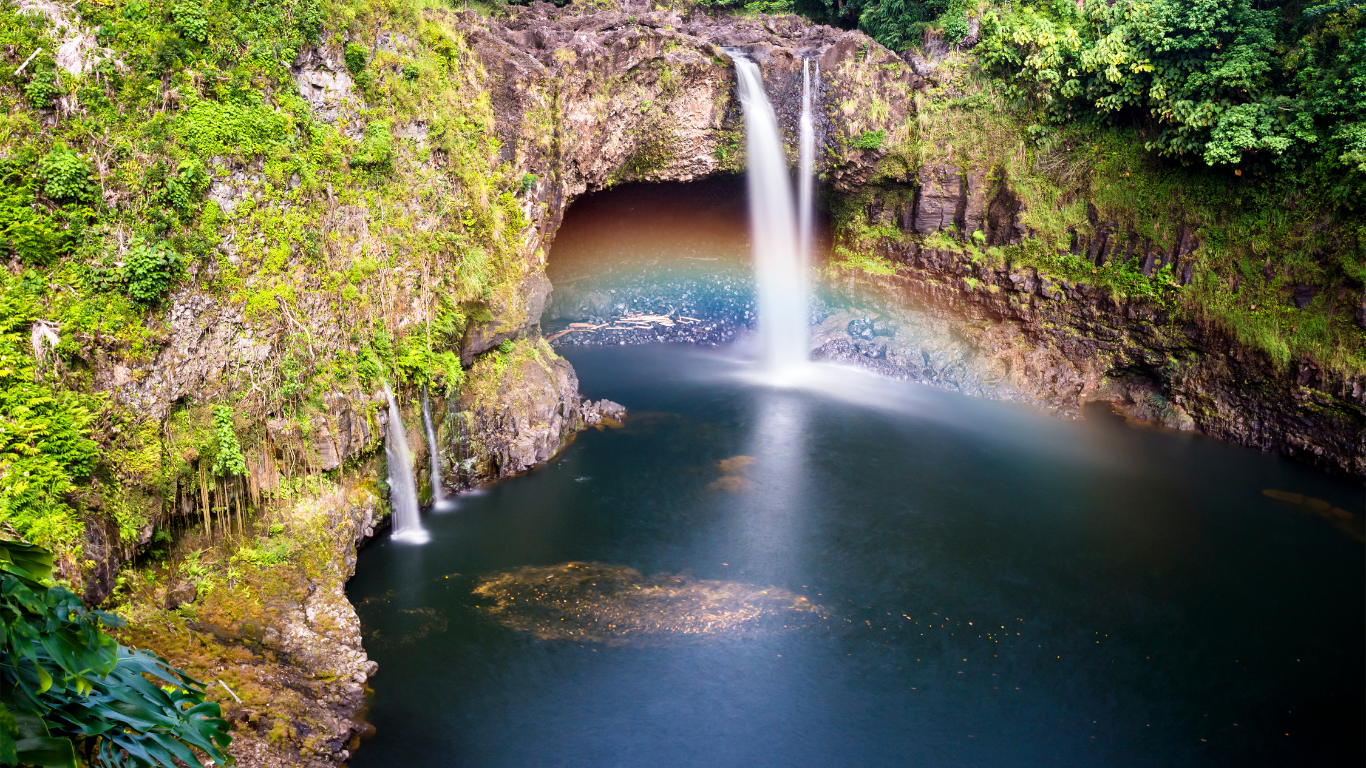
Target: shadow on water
x: 863, y: 572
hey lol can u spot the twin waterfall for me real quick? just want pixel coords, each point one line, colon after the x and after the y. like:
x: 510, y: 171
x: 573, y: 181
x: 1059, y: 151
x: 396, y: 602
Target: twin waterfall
x: 781, y: 233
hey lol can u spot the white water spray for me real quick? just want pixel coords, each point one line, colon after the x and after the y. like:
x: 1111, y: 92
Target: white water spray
x: 807, y: 157
x: 779, y: 268
x: 439, y: 501
x: 402, y: 491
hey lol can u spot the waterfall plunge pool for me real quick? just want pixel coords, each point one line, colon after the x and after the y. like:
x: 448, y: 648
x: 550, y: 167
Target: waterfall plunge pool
x: 872, y: 574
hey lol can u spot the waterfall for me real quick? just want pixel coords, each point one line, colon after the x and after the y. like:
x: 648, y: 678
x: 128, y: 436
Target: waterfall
x: 807, y: 156
x: 779, y: 270
x: 439, y: 501
x: 402, y: 490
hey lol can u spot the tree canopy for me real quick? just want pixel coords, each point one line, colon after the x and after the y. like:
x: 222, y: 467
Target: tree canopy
x: 1207, y: 81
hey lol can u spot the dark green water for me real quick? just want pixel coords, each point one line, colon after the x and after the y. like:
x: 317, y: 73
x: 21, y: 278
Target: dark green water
x: 985, y: 585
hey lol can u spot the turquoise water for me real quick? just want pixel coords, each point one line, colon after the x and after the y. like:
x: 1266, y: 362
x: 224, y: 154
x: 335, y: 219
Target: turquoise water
x: 870, y: 573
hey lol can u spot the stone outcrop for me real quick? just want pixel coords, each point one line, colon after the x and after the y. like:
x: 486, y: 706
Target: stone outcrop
x: 940, y: 199
x: 515, y: 414
x: 278, y: 644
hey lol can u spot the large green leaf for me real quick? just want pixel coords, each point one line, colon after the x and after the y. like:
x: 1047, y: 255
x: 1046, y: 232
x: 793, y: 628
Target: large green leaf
x: 46, y: 751
x: 34, y: 561
x: 8, y: 754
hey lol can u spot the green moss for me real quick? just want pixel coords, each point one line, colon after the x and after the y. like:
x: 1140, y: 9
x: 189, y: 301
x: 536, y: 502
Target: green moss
x: 846, y: 260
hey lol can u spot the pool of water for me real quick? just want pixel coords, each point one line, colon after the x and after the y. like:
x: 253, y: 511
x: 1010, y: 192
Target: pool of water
x: 863, y: 572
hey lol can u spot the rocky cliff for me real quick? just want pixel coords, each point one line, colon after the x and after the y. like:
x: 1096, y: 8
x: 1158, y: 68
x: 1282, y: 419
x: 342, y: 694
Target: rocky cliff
x: 379, y: 206
x: 1008, y: 332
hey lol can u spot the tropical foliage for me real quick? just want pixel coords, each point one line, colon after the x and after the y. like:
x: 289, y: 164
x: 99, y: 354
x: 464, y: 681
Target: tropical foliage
x: 1207, y: 81
x: 70, y: 695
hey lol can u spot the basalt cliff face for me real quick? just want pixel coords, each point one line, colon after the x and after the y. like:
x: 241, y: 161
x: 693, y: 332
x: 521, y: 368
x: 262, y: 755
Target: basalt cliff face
x: 1019, y: 335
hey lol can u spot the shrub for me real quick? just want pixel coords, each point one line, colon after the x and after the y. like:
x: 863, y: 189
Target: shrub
x: 229, y: 461
x: 191, y: 20
x: 27, y: 230
x: 356, y: 57
x: 376, y: 152
x: 42, y: 85
x: 870, y: 140
x: 45, y: 447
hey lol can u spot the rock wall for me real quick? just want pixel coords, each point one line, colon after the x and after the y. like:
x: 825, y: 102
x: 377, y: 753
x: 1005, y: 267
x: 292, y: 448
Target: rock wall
x: 1060, y: 344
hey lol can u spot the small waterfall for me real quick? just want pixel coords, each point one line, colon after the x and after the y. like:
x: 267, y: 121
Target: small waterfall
x: 402, y: 490
x: 779, y: 270
x: 807, y: 155
x: 439, y: 501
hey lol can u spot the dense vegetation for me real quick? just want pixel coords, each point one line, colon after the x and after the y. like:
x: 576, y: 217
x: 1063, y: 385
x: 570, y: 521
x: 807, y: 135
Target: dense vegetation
x: 105, y: 175
x: 1271, y: 85
x: 1269, y: 88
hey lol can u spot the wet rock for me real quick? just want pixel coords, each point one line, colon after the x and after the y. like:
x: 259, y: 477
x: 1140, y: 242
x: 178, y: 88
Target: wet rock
x: 596, y: 413
x: 611, y: 410
x: 323, y: 81
x: 518, y: 414
x: 180, y: 593
x: 861, y: 328
x: 937, y: 203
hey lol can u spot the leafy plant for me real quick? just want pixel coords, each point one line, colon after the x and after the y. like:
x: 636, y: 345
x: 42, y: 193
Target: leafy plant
x: 376, y: 152
x: 869, y: 140
x: 43, y: 86
x: 356, y: 57
x: 68, y: 689
x: 293, y: 376
x: 66, y: 177
x: 149, y: 271
x: 28, y: 230
x: 229, y: 460
x: 45, y: 445
x: 191, y: 20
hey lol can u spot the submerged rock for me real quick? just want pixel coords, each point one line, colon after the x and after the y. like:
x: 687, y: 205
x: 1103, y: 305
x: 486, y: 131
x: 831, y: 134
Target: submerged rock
x: 613, y: 603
